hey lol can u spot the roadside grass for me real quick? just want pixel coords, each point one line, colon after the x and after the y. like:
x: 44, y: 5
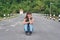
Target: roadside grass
x: 56, y: 18
x: 5, y: 18
x: 1, y: 18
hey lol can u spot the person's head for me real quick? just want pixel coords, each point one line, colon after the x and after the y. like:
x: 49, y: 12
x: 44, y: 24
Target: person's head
x: 28, y: 15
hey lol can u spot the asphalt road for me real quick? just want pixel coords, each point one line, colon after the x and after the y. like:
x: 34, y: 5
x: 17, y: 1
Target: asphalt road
x: 44, y: 29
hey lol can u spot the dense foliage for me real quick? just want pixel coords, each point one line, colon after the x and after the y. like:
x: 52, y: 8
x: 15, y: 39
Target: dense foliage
x: 42, y: 6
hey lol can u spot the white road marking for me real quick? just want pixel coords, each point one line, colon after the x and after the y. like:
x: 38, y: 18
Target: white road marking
x: 7, y: 30
x: 12, y: 25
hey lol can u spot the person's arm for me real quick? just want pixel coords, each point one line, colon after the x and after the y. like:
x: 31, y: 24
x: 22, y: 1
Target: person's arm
x: 24, y: 22
x: 31, y: 21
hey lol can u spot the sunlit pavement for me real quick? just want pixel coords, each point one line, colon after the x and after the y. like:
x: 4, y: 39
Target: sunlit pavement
x: 44, y: 29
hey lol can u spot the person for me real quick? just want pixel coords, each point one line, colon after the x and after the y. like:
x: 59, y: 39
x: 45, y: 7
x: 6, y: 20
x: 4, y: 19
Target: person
x: 28, y: 23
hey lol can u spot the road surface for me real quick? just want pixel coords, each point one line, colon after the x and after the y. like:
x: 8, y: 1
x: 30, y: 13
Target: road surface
x: 44, y: 29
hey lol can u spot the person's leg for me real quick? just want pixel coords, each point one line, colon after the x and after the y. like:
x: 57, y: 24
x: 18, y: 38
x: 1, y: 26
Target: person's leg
x: 25, y: 28
x: 31, y: 28
x: 28, y: 28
